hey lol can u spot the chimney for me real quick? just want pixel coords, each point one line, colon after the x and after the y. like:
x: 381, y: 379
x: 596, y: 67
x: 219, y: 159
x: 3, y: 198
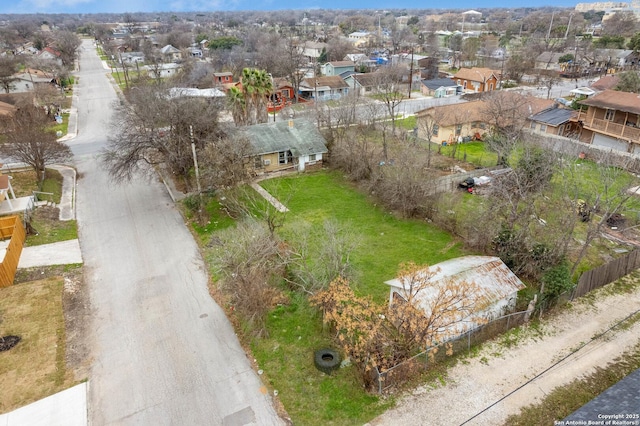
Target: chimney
x: 290, y: 120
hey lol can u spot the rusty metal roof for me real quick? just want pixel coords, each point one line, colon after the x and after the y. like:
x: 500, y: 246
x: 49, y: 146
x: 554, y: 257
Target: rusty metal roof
x: 494, y: 280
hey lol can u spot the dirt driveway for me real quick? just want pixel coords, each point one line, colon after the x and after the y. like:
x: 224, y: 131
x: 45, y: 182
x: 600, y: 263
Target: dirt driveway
x: 481, y: 391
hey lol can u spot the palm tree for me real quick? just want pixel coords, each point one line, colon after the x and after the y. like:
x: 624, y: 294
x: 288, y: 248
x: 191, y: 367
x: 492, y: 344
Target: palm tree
x: 238, y: 104
x: 257, y: 86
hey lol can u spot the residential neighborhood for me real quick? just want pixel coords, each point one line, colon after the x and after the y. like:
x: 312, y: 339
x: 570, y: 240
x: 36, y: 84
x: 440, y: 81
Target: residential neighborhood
x: 320, y: 216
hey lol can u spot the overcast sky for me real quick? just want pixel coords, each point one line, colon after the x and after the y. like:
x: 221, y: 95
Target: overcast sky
x: 120, y: 6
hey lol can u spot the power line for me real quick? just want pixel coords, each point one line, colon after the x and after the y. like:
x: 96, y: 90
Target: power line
x: 549, y: 368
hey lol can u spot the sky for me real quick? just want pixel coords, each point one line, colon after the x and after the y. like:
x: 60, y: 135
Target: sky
x: 122, y: 6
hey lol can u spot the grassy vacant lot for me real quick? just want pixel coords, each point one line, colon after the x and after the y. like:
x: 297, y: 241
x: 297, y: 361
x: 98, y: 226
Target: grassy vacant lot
x: 35, y: 367
x: 384, y: 240
x: 295, y: 330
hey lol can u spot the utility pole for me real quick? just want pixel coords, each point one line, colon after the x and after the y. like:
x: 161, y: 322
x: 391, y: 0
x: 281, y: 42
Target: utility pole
x: 195, y: 164
x: 411, y: 72
x: 315, y: 101
x: 566, y: 33
x: 550, y: 25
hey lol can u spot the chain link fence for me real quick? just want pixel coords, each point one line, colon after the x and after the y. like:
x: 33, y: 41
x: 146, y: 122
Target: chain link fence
x: 400, y: 373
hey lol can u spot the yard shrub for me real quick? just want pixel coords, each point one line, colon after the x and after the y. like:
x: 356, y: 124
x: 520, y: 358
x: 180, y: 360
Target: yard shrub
x: 557, y: 280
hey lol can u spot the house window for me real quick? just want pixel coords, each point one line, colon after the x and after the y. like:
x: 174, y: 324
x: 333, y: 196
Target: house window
x: 312, y: 157
x: 285, y: 157
x: 609, y: 113
x: 458, y: 129
x: 257, y: 162
x: 543, y: 127
x: 533, y: 125
x: 435, y: 130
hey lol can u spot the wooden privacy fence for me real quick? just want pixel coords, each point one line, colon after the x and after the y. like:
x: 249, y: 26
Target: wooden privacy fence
x: 11, y: 227
x: 607, y: 273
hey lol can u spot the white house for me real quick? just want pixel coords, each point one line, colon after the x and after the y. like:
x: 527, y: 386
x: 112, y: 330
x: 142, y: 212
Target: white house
x: 163, y: 70
x: 497, y: 289
x: 171, y: 54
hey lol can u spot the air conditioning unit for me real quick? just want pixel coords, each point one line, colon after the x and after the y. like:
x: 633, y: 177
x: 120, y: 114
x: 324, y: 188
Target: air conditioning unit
x: 266, y: 162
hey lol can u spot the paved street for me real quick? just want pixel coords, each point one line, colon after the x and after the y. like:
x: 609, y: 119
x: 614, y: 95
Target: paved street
x: 163, y: 353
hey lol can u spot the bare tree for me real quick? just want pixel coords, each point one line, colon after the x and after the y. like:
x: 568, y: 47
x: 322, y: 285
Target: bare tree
x: 609, y: 198
x: 250, y: 261
x: 356, y: 154
x: 312, y: 265
x: 67, y: 44
x: 8, y: 67
x: 156, y: 128
x: 226, y: 162
x: 338, y: 48
x: 29, y: 139
x: 622, y: 23
x: 506, y: 113
x: 390, y: 89
x: 404, y: 184
x: 429, y: 122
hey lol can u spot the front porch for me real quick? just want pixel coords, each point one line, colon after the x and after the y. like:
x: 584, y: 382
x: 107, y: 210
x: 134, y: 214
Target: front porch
x: 628, y: 131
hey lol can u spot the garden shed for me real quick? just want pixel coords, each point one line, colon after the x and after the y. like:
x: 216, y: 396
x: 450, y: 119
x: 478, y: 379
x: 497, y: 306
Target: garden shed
x: 496, y: 288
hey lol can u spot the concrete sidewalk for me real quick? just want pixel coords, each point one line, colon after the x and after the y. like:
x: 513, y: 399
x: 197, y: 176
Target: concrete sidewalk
x: 66, y: 408
x: 61, y: 253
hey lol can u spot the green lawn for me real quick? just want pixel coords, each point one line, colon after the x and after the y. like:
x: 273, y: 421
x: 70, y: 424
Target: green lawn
x: 62, y: 127
x: 471, y: 152
x: 295, y: 329
x: 384, y: 240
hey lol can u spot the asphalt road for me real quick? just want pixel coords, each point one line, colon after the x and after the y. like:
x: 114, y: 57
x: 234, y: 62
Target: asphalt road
x: 163, y: 353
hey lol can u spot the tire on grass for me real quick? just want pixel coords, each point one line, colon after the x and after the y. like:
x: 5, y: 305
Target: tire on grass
x: 327, y: 360
x: 8, y: 342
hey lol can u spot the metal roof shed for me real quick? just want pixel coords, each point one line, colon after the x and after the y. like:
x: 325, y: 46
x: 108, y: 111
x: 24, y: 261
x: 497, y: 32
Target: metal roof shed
x: 496, y: 284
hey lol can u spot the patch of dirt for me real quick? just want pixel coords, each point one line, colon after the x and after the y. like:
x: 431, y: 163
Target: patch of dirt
x: 75, y: 301
x: 49, y: 213
x: 37, y: 273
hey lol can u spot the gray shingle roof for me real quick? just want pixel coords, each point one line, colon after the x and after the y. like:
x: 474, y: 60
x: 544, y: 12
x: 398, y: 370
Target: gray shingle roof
x: 437, y: 83
x: 301, y: 138
x: 621, y: 398
x: 553, y: 116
